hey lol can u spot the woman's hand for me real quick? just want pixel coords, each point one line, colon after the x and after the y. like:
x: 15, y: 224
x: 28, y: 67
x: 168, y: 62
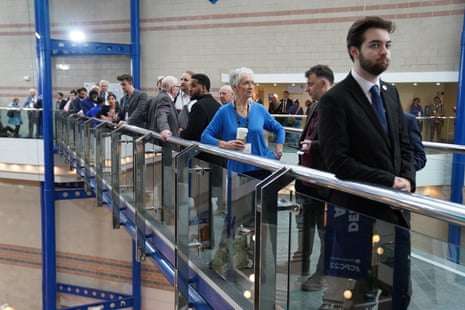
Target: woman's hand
x: 278, y: 154
x: 232, y: 144
x: 279, y: 151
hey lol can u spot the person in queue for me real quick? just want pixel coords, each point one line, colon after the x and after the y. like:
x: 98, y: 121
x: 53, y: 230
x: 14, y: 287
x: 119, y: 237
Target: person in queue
x: 363, y: 138
x: 245, y: 116
x: 226, y: 94
x: 110, y: 112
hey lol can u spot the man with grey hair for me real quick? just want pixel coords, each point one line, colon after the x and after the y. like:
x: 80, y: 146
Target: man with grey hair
x: 104, y: 84
x: 226, y: 94
x: 34, y: 117
x: 163, y: 117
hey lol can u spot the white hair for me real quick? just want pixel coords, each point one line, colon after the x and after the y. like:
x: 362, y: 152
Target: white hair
x: 237, y: 74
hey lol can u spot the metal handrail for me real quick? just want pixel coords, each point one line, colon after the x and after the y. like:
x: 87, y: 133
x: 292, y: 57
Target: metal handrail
x: 433, y: 207
x: 440, y: 209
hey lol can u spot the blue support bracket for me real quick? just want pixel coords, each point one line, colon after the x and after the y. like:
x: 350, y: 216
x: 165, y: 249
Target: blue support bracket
x: 74, y: 190
x: 124, y: 303
x: 110, y: 300
x: 89, y: 292
x: 71, y: 48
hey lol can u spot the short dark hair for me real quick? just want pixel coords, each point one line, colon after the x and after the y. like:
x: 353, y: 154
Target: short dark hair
x: 125, y: 77
x: 321, y: 71
x: 93, y: 92
x: 202, y: 79
x: 356, y: 34
x: 80, y: 89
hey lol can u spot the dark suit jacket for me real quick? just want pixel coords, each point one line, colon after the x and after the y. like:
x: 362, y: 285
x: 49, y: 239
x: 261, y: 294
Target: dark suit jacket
x: 414, y: 135
x: 200, y: 116
x: 317, y: 160
x: 288, y: 103
x: 162, y: 114
x: 355, y: 147
x: 135, y: 107
x: 315, y: 155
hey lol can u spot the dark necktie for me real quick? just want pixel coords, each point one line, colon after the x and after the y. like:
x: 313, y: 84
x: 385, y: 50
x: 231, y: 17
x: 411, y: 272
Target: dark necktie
x: 377, y: 102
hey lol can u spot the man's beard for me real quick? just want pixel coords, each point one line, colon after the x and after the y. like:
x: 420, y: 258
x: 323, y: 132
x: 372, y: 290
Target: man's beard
x: 371, y: 67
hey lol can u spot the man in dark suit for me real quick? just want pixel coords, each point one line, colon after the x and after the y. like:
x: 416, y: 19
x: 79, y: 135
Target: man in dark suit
x: 320, y: 78
x: 435, y: 111
x: 132, y: 105
x: 414, y: 135
x: 60, y: 101
x: 203, y: 110
x: 283, y: 108
x: 163, y: 117
x: 285, y: 103
x: 363, y: 137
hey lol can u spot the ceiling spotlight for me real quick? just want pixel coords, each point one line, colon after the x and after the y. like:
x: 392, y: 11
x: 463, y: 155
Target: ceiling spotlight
x: 415, y: 84
x: 438, y: 84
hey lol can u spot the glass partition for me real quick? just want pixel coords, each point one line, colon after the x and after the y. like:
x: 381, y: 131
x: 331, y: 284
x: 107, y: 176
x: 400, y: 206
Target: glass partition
x: 20, y: 123
x: 264, y: 240
x: 357, y: 261
x: 437, y: 129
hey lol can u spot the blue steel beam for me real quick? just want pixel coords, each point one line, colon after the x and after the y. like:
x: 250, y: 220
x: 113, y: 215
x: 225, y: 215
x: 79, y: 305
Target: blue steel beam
x: 135, y: 42
x: 42, y: 27
x: 70, y: 48
x: 76, y: 193
x: 457, y: 178
x: 136, y: 278
x: 45, y: 49
x: 105, y: 305
x: 89, y: 292
x: 72, y: 190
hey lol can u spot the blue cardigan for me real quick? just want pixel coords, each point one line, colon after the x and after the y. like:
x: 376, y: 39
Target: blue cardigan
x: 224, y: 126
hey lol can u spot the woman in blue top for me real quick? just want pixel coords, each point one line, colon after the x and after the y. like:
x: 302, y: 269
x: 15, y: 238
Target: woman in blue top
x: 243, y: 112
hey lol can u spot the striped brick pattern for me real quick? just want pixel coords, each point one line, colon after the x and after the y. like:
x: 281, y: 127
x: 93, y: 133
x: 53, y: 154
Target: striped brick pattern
x: 84, y: 265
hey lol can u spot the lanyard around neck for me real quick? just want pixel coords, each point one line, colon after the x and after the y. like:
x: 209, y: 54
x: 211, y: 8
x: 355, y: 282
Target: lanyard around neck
x: 246, y: 118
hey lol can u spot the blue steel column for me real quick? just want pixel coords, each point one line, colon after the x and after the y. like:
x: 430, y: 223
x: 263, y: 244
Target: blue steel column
x: 136, y: 278
x: 458, y: 160
x: 135, y: 64
x: 135, y: 42
x: 47, y: 190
